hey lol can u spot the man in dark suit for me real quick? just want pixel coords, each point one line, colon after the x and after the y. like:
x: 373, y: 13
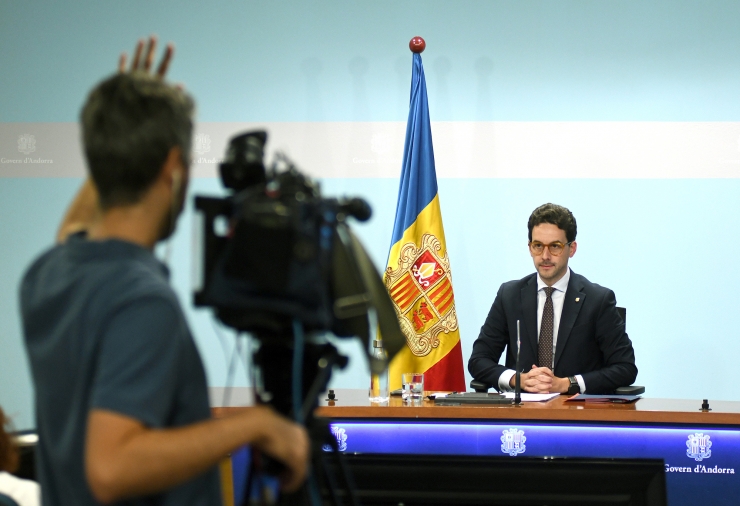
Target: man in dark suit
x: 572, y: 337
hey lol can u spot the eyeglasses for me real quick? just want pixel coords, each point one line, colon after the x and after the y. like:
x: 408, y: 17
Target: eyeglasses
x: 555, y: 248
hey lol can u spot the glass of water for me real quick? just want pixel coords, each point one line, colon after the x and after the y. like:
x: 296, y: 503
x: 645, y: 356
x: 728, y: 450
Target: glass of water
x: 413, y: 386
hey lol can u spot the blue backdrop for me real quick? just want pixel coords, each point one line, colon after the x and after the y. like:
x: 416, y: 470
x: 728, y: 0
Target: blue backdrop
x: 660, y: 241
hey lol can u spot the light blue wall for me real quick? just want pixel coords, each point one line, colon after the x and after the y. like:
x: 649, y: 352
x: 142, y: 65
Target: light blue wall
x: 662, y: 60
x: 664, y: 246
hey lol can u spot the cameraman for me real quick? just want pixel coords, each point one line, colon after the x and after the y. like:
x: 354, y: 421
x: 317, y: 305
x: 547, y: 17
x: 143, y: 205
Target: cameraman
x: 121, y: 396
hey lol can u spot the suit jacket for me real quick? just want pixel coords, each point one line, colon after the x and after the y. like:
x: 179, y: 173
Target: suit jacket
x: 591, y: 337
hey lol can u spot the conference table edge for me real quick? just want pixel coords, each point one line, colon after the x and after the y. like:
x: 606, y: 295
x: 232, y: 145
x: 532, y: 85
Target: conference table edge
x: 511, y: 413
x: 481, y: 413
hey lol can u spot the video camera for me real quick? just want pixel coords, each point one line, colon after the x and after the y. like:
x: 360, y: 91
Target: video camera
x: 275, y: 252
x: 280, y: 261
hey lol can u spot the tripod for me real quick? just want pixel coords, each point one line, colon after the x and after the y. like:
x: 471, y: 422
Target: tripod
x: 292, y: 375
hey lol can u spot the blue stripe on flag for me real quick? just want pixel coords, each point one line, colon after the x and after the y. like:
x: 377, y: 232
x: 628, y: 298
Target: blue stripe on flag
x: 418, y: 177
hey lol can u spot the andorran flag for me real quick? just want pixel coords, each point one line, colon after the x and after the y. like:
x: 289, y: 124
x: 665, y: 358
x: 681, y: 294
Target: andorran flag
x: 418, y: 275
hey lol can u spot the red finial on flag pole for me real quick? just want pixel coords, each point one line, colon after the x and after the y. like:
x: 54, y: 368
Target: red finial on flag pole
x: 417, y: 45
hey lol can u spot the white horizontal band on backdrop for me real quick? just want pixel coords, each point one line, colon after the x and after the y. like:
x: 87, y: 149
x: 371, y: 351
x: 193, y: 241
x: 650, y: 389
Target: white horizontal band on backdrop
x: 630, y: 150
x: 230, y: 396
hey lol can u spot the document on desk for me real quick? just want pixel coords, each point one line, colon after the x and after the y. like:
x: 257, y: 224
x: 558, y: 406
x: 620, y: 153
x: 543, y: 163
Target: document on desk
x: 527, y: 397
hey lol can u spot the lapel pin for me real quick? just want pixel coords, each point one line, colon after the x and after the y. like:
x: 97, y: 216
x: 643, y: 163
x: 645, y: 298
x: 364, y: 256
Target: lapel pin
x: 578, y: 299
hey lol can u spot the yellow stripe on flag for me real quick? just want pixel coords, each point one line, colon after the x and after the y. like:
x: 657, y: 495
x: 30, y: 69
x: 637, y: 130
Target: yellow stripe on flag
x: 408, y: 297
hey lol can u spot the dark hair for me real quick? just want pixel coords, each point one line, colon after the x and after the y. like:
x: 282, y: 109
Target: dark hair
x: 130, y: 123
x: 8, y: 450
x: 555, y: 215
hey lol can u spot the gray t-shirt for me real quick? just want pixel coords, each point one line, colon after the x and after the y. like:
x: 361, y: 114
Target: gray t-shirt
x: 104, y: 330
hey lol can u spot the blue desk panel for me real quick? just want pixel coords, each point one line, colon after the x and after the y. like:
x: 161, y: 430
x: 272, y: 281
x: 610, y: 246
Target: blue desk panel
x: 702, y: 464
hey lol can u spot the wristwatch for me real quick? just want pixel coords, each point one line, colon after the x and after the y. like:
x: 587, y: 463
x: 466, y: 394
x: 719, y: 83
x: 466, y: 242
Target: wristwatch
x: 574, y: 388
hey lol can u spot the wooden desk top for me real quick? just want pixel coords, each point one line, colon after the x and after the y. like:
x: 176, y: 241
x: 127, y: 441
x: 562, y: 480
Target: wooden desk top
x: 354, y: 404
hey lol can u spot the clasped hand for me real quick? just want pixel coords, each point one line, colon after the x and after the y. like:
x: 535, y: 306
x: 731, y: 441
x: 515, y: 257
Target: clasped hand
x: 541, y: 380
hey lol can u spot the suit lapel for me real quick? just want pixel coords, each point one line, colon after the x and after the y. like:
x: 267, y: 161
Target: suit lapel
x: 571, y: 308
x: 529, y: 313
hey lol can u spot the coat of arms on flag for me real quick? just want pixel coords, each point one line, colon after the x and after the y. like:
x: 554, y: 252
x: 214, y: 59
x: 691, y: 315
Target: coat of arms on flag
x: 421, y: 290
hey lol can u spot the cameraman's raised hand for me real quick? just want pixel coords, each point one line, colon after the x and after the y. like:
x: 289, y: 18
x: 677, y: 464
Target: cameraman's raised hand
x: 84, y: 208
x: 143, y: 59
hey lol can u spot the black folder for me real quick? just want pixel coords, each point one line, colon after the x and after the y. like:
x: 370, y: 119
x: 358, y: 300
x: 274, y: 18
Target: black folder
x: 471, y: 398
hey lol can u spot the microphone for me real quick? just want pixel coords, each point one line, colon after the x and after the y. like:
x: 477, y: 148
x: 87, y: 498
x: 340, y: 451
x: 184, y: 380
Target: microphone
x: 518, y: 380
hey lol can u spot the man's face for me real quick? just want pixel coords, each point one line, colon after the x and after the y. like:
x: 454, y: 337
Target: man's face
x: 551, y: 267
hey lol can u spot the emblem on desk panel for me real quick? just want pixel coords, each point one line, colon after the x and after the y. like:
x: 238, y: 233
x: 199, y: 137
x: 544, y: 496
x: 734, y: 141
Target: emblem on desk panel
x: 512, y: 442
x: 341, y: 436
x: 698, y: 446
x: 421, y: 290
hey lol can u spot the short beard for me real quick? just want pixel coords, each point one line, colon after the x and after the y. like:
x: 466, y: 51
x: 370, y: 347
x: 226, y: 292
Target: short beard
x: 169, y: 222
x: 167, y: 227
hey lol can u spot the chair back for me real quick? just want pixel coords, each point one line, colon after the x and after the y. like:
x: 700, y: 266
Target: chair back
x: 623, y: 313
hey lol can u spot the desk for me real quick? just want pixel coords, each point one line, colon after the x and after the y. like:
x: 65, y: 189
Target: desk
x: 701, y: 450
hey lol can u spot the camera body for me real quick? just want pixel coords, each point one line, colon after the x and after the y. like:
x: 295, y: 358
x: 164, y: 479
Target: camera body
x: 282, y: 253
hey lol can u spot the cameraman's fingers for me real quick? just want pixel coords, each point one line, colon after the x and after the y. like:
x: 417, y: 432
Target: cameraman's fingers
x: 122, y: 63
x: 287, y: 442
x: 284, y: 441
x: 137, y: 54
x: 143, y: 59
x: 150, y: 49
x: 165, y: 63
x: 296, y: 458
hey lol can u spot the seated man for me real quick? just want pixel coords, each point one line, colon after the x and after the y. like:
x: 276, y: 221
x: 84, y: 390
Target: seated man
x: 121, y: 396
x: 572, y: 337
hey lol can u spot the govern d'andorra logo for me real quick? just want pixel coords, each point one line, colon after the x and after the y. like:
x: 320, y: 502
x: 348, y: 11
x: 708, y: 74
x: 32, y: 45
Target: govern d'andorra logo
x: 26, y: 145
x: 201, y: 146
x: 698, y: 447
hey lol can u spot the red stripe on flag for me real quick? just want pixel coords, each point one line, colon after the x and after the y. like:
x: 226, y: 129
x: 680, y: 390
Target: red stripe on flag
x: 404, y: 293
x: 401, y: 286
x: 406, y: 301
x: 447, y: 374
x: 443, y: 286
x: 444, y: 298
x: 447, y: 303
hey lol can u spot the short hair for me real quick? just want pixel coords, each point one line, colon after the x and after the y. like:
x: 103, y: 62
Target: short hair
x: 130, y: 123
x: 8, y: 450
x: 555, y: 215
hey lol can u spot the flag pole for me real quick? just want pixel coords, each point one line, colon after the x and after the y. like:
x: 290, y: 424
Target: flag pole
x: 418, y: 275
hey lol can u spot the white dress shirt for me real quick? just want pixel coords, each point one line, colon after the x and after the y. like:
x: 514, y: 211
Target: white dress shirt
x: 24, y: 492
x: 558, y: 298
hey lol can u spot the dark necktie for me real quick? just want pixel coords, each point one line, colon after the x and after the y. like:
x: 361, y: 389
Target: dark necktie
x: 544, y: 352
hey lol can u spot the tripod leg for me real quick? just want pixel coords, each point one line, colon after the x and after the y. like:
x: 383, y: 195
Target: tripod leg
x: 331, y: 482
x: 346, y: 473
